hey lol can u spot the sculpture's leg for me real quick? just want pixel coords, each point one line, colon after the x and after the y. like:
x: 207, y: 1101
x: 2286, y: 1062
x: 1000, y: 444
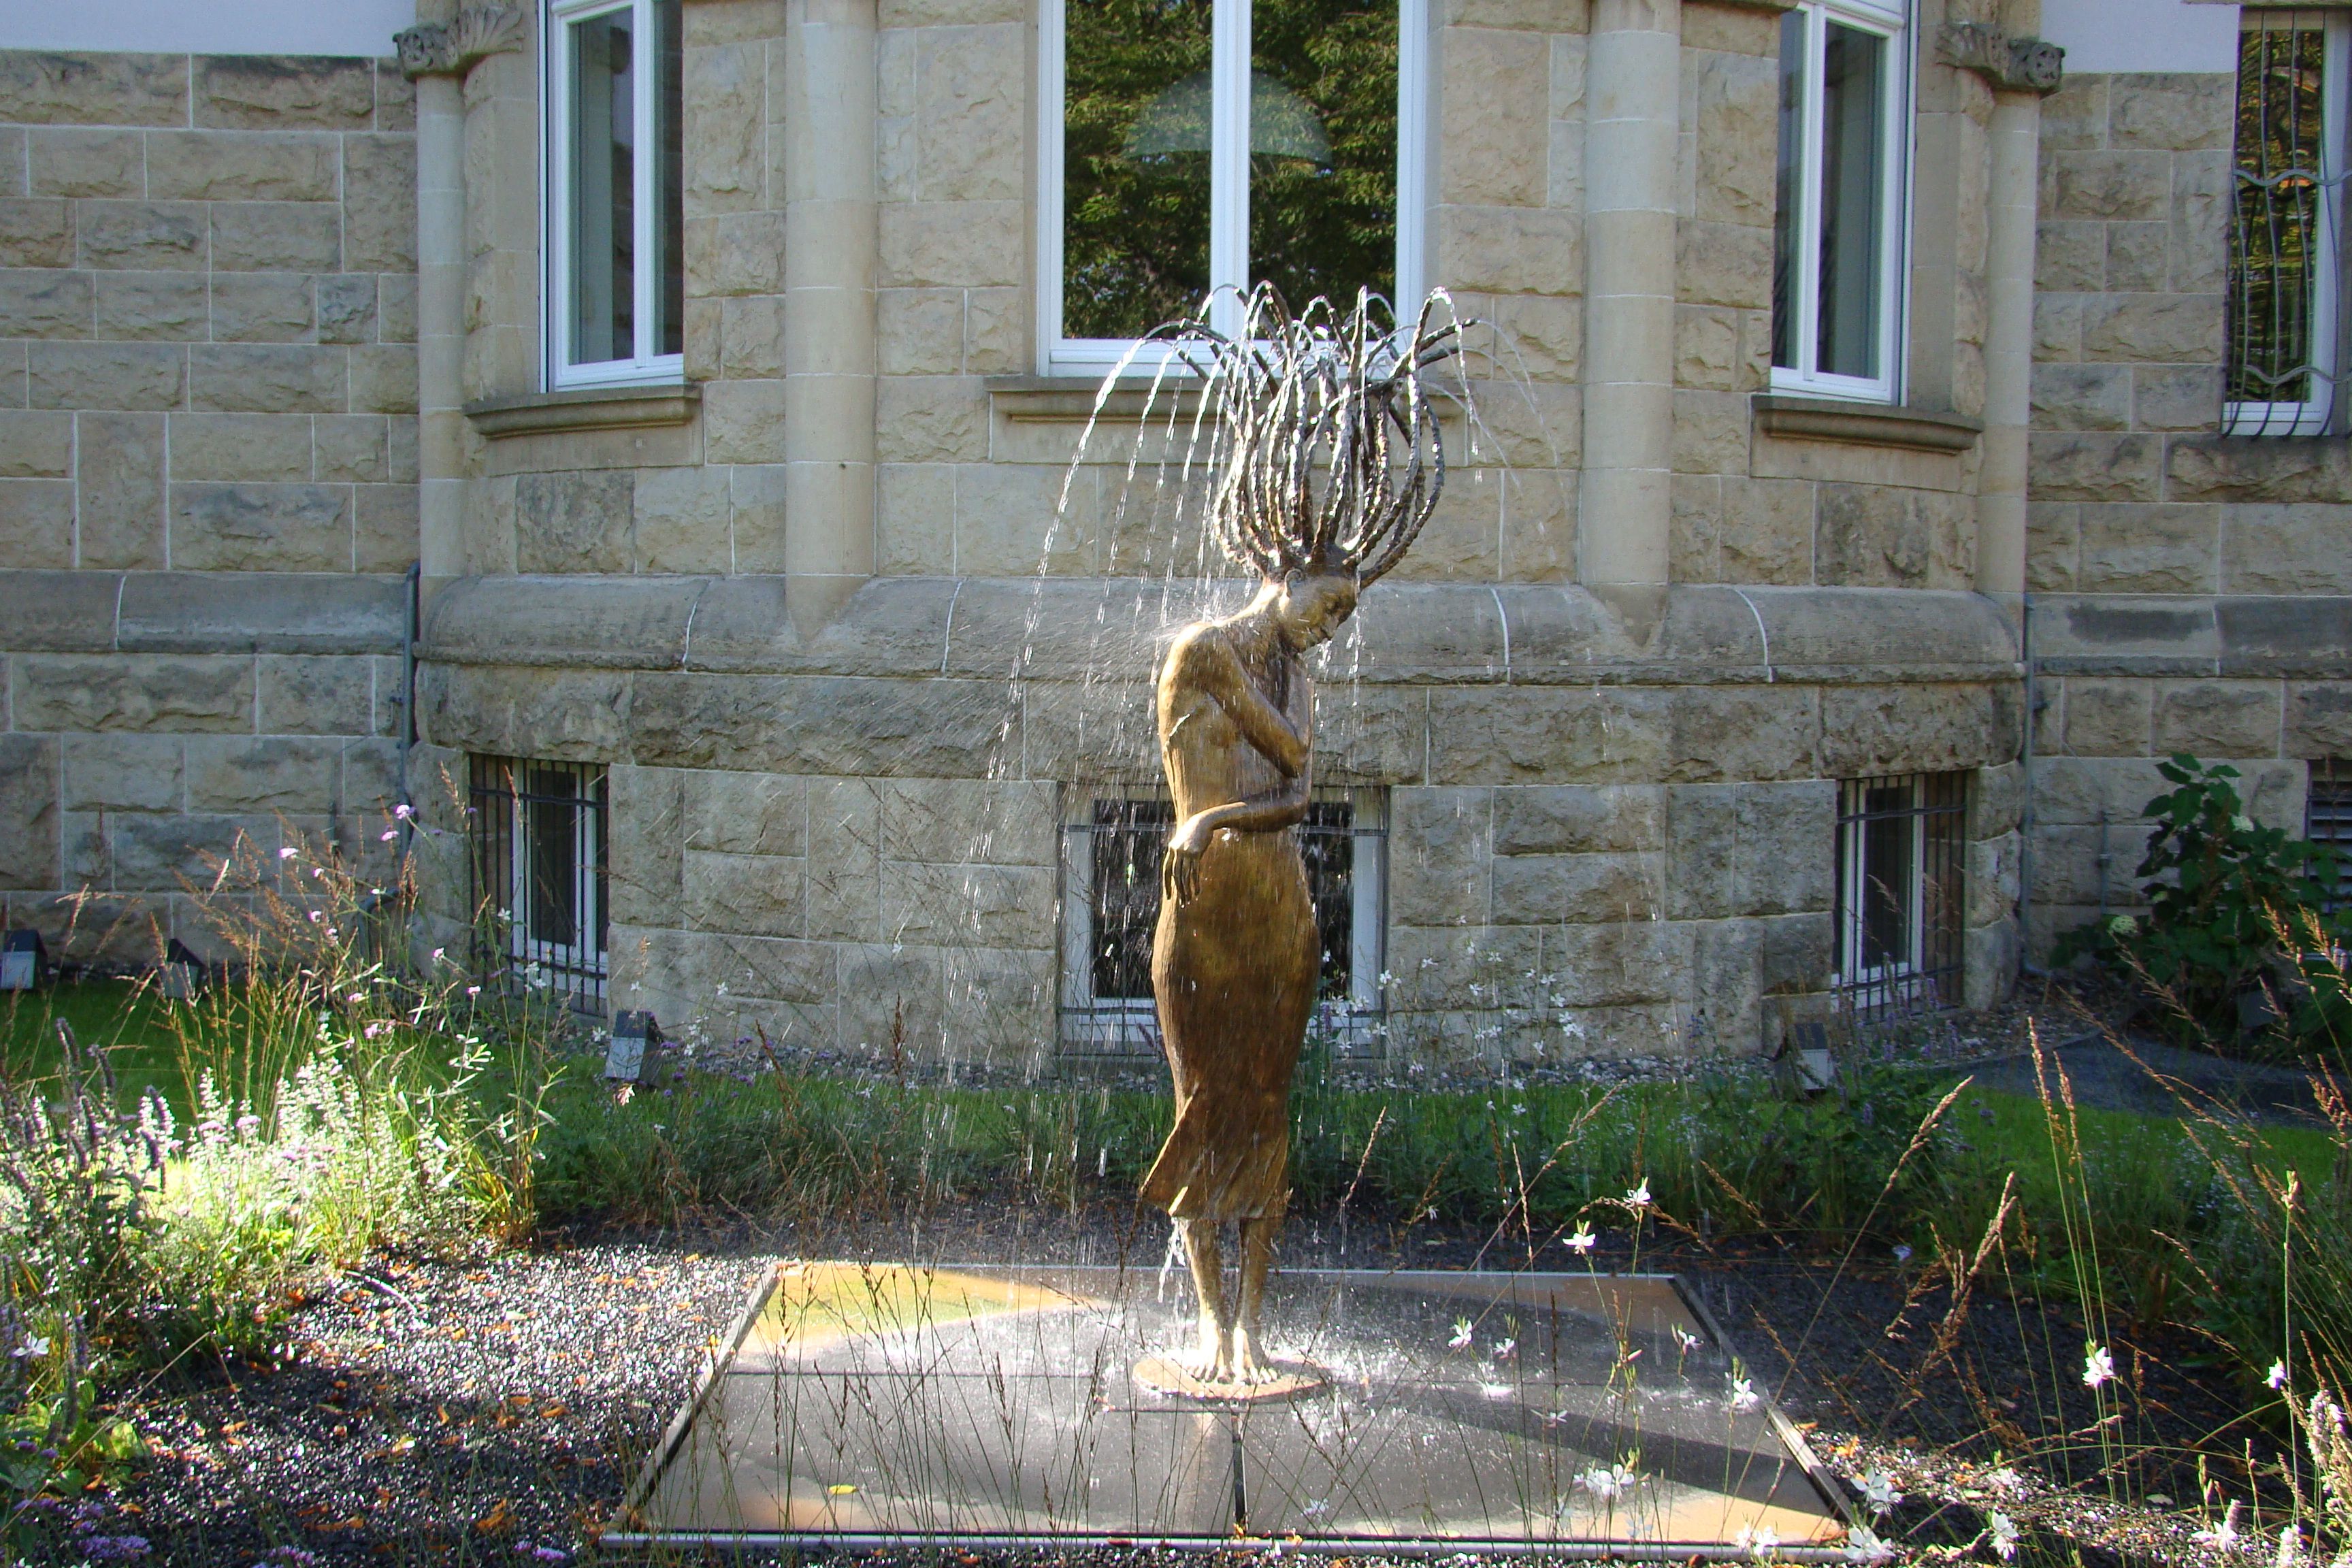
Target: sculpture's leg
x: 1215, y: 1363
x: 1257, y: 1255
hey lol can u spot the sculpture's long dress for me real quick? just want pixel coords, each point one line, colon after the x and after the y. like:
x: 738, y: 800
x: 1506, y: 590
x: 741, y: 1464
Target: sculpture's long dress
x: 1234, y: 973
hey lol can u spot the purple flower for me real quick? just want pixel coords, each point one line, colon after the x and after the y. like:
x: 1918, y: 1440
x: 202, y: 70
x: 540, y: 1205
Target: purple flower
x: 291, y: 1557
x: 115, y: 1548
x: 541, y: 1553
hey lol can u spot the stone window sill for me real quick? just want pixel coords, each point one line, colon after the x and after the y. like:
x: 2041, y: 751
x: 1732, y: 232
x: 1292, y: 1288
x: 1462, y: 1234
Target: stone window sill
x: 1865, y: 424
x: 585, y: 408
x: 1070, y: 399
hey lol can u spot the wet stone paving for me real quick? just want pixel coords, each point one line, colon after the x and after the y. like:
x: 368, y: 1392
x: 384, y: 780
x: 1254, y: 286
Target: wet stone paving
x: 868, y: 1403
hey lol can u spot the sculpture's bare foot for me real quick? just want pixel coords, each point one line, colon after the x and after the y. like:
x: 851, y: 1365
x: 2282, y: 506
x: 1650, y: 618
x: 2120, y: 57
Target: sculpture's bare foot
x: 1211, y: 1360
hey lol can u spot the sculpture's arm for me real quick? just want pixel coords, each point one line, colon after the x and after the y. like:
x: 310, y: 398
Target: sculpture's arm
x: 1208, y: 662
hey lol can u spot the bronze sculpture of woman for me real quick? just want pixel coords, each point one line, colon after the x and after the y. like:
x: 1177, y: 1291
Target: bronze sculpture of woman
x: 1326, y: 463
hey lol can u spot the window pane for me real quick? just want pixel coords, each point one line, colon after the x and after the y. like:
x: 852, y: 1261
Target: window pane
x: 1323, y: 147
x: 1129, y: 837
x: 2275, y: 243
x: 604, y: 190
x: 1790, y: 189
x: 1327, y: 842
x: 1887, y: 876
x: 1854, y: 79
x: 1135, y: 226
x: 551, y: 809
x: 668, y: 336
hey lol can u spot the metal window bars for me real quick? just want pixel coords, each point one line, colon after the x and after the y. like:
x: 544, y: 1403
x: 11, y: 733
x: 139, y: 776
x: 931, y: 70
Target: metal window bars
x: 1110, y: 908
x: 541, y: 876
x: 2282, y: 332
x: 1901, y: 879
x: 2328, y: 820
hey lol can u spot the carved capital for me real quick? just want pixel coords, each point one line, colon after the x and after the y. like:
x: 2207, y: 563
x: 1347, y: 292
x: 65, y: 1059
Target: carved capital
x: 2011, y: 65
x: 453, y: 49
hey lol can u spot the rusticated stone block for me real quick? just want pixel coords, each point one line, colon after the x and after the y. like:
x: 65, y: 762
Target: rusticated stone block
x: 2076, y: 114
x: 1916, y: 729
x: 919, y: 332
x: 1742, y: 849
x: 162, y: 306
x: 2175, y: 397
x: 263, y: 773
x: 2178, y: 110
x: 2083, y: 466
x: 241, y: 447
x: 752, y: 336
x: 968, y: 822
x: 568, y: 715
x: 1615, y: 964
x: 261, y: 308
x: 380, y: 204
x: 1572, y: 820
x: 2153, y: 329
x: 123, y: 773
x: 753, y: 894
x: 2137, y: 257
x: 274, y: 92
x: 106, y: 375
x: 971, y: 244
x: 1441, y: 856
x: 844, y: 861
x: 646, y: 856
x: 1534, y: 890
x: 745, y: 814
x: 575, y: 523
x: 35, y: 445
x: 2219, y: 719
x: 2111, y: 185
x: 1737, y: 104
x: 28, y: 812
x: 1511, y: 250
x: 93, y: 89
x: 930, y: 419
x: 2318, y: 722
x: 1723, y: 264
x: 383, y: 529
x: 2070, y: 257
x: 121, y: 466
x: 968, y: 905
x: 1874, y: 536
x: 835, y: 725
x: 2108, y: 718
x: 37, y: 523
x: 2081, y: 396
x: 133, y: 693
x: 683, y: 519
x: 240, y: 166
x: 36, y: 233
x: 2199, y: 250
x: 268, y: 379
x: 153, y: 236
x: 1530, y: 735
x: 396, y: 309
x: 743, y: 421
x: 738, y: 253
x: 2292, y: 469
x: 74, y: 162
x: 2053, y: 546
x: 168, y: 854
x: 384, y: 379
x: 2163, y: 548
x: 726, y: 115
x: 274, y: 236
x: 1495, y: 94
x: 261, y: 527
x: 352, y: 447
x: 1732, y: 733
x: 317, y: 695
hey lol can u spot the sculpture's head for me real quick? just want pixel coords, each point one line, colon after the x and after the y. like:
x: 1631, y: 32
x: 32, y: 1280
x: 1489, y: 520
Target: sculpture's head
x: 1310, y: 606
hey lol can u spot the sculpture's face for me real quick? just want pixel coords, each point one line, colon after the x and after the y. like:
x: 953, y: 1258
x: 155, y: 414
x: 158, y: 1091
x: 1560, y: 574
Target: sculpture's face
x: 1309, y: 609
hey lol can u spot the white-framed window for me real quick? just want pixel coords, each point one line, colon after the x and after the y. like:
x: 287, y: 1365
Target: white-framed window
x: 540, y: 878
x: 1840, y: 223
x: 1111, y: 844
x: 614, y: 226
x: 1192, y: 145
x: 1901, y: 876
x: 2283, y: 336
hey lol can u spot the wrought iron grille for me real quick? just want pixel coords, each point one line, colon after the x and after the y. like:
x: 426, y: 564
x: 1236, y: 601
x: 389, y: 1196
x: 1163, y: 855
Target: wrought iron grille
x: 2283, y: 345
x: 1111, y: 907
x: 541, y: 876
x: 1901, y: 877
x: 2327, y: 818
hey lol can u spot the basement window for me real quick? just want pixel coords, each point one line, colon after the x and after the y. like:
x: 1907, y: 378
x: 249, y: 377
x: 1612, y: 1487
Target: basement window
x: 615, y: 222
x: 2328, y: 817
x: 1901, y: 876
x: 540, y: 874
x: 2283, y: 341
x: 1111, y: 906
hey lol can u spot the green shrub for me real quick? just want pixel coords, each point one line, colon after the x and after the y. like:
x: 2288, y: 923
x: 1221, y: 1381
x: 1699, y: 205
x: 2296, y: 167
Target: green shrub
x: 2233, y: 908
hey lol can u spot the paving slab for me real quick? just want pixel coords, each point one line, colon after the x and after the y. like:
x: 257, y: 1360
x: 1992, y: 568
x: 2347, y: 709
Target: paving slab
x: 864, y: 1404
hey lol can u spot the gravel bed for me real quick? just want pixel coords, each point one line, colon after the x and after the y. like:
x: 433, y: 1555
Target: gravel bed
x: 431, y: 1411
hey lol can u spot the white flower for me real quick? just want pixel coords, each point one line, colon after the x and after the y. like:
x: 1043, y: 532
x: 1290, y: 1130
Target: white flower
x: 2003, y: 1530
x: 288, y: 853
x: 1583, y: 1239
x: 2098, y: 1367
x: 1758, y: 1541
x: 35, y: 1345
x: 1862, y: 1545
x: 1684, y: 1339
x: 2290, y: 1550
x: 1504, y: 1351
x: 2006, y: 1481
x: 389, y: 834
x: 2277, y: 1379
x: 1744, y: 1395
x: 1606, y: 1484
x: 2224, y: 1535
x: 1877, y: 1490
x: 1639, y: 1197
x: 436, y: 954
x: 1901, y: 1253
x: 315, y: 917
x: 404, y: 811
x: 1461, y: 1338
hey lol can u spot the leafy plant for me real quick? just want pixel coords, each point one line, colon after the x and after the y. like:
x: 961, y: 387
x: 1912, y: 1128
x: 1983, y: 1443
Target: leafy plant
x: 2235, y: 909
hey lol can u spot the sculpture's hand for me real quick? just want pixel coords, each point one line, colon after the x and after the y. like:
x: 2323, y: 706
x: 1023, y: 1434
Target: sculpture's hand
x: 1180, y: 868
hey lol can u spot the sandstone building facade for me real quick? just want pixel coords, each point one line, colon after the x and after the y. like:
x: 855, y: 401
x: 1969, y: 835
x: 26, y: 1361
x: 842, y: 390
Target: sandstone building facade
x: 1876, y: 454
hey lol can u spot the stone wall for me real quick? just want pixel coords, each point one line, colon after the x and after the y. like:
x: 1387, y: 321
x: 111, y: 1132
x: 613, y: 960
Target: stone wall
x: 207, y: 470
x: 2190, y: 588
